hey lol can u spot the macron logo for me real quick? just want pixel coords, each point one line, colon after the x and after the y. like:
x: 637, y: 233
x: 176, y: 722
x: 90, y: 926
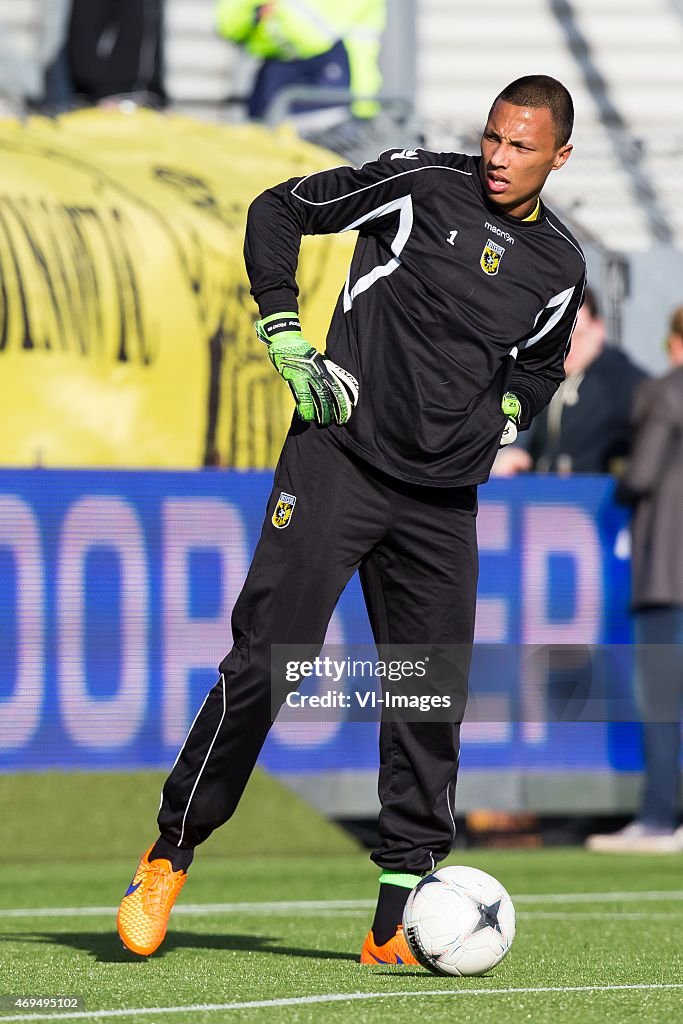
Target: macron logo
x: 405, y: 154
x: 497, y: 231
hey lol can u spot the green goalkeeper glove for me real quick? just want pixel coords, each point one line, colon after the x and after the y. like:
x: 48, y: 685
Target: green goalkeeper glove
x: 512, y: 407
x: 322, y: 390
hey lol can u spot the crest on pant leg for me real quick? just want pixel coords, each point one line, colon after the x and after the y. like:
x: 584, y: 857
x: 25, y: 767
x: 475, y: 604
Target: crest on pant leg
x: 283, y: 510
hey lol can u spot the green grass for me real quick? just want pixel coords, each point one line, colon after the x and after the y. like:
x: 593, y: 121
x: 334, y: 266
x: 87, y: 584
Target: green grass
x: 239, y: 956
x: 235, y: 957
x: 83, y: 815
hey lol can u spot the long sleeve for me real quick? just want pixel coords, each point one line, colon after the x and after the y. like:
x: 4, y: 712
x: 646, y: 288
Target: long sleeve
x: 363, y: 39
x: 236, y: 19
x: 366, y: 78
x: 341, y: 199
x: 539, y: 369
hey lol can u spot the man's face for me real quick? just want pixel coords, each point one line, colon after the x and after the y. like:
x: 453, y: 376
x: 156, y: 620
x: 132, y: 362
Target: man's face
x: 518, y: 150
x: 674, y: 345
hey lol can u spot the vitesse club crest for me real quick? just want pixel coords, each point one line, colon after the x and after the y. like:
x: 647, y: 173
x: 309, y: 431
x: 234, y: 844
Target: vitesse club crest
x: 283, y: 510
x: 491, y: 257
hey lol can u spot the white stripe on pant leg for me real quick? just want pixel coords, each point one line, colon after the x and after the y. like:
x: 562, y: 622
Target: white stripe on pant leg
x: 194, y: 722
x: 208, y: 755
x: 455, y: 782
x: 187, y: 736
x: 448, y: 804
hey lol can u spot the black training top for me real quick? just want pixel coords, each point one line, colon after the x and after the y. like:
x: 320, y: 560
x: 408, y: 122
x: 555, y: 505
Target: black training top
x: 448, y: 304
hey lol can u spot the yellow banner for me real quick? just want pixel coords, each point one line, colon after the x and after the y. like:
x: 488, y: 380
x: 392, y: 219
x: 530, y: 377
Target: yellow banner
x: 126, y: 334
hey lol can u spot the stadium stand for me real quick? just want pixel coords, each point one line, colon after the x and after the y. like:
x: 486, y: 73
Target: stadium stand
x: 622, y: 62
x: 20, y: 64
x: 201, y: 68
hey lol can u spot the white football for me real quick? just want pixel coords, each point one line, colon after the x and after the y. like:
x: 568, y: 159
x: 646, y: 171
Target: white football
x: 459, y: 920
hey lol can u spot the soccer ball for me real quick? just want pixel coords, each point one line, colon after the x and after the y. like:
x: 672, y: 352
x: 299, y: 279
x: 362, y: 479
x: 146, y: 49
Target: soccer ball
x: 459, y: 920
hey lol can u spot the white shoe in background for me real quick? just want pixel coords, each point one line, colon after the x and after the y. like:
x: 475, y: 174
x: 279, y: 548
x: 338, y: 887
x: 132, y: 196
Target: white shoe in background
x: 637, y: 837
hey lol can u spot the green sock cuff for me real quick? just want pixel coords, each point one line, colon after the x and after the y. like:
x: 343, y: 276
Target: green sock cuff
x: 399, y: 878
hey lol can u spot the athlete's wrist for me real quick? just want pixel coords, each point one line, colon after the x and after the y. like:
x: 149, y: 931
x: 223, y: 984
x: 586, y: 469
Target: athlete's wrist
x: 278, y: 326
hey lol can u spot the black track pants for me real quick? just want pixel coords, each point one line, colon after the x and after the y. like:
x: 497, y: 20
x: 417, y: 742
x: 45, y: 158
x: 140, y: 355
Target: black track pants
x: 417, y: 554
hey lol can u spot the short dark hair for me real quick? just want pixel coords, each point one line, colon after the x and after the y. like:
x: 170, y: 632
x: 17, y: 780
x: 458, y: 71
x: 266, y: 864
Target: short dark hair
x: 590, y: 301
x: 676, y: 322
x: 543, y: 91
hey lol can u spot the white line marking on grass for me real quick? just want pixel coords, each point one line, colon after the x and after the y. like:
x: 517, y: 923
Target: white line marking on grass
x: 58, y: 912
x: 206, y: 910
x: 598, y: 897
x: 192, y: 909
x: 594, y: 915
x: 338, y: 997
x: 332, y: 906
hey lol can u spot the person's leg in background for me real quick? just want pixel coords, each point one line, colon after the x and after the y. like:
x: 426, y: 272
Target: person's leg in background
x: 658, y: 634
x: 329, y: 70
x: 659, y: 685
x: 420, y: 588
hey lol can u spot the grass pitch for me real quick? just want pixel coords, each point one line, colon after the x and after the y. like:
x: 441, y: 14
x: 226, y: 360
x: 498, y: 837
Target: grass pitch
x: 276, y: 938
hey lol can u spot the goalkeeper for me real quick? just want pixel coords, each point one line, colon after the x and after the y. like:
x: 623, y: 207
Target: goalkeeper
x: 449, y: 336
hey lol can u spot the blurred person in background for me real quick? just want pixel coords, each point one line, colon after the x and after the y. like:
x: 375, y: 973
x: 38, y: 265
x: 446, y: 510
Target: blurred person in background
x: 113, y: 50
x: 587, y: 426
x: 322, y: 43
x: 653, y: 486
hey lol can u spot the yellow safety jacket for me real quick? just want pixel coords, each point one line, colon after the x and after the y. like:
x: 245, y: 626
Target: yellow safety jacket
x: 298, y: 29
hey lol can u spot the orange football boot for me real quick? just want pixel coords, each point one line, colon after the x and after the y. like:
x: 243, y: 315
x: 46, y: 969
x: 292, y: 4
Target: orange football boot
x: 394, y: 951
x: 143, y: 914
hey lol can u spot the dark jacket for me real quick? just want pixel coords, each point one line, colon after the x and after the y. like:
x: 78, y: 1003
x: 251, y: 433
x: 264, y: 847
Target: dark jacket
x: 654, y: 483
x: 588, y: 427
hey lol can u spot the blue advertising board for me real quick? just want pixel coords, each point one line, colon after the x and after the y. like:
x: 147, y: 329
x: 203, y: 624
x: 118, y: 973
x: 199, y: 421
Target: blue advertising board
x: 116, y: 590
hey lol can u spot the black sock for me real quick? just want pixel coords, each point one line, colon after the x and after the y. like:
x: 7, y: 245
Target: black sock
x: 180, y: 859
x: 389, y: 912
